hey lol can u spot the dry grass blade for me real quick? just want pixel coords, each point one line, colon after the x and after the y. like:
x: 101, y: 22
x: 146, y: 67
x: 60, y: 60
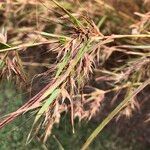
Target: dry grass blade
x: 21, y: 47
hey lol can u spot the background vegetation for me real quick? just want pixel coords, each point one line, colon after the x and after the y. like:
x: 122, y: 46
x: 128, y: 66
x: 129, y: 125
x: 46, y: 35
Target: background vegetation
x: 14, y: 135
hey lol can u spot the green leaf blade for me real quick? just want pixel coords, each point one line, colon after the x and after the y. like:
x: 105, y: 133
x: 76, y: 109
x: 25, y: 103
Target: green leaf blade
x: 46, y: 104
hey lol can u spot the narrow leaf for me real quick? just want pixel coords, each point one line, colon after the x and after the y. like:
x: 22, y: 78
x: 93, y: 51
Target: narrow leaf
x: 46, y: 104
x: 62, y: 65
x: 43, y: 109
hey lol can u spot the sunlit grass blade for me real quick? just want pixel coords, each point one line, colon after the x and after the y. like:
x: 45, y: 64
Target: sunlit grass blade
x: 53, y: 35
x: 22, y: 46
x: 136, y: 46
x: 62, y: 64
x: 47, y: 104
x: 44, y: 108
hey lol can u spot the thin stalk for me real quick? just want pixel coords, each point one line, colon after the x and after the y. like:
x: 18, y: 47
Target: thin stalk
x: 53, y: 35
x: 20, y: 47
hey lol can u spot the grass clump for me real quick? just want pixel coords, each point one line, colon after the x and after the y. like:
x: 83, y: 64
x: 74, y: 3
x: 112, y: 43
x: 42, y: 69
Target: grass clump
x: 114, y: 52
